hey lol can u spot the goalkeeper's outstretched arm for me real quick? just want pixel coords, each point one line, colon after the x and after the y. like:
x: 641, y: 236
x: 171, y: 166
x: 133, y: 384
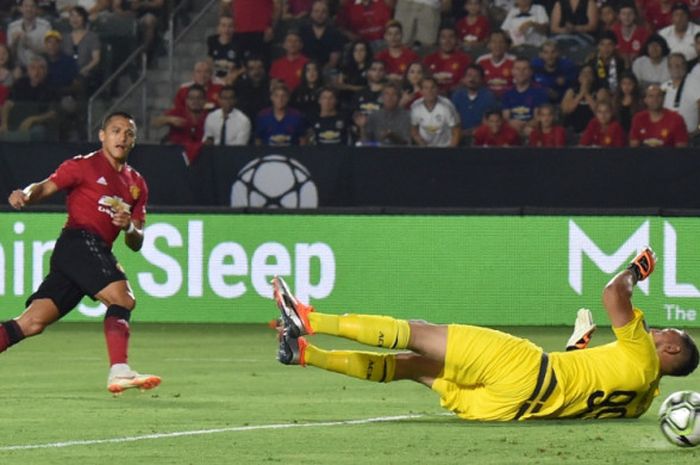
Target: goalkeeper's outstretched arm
x: 617, y: 295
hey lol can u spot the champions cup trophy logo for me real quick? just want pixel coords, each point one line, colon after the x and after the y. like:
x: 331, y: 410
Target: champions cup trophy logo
x: 274, y: 181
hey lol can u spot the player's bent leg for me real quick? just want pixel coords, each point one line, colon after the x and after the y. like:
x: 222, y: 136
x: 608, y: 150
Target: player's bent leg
x: 117, y: 293
x: 417, y: 368
x: 429, y: 340
x: 39, y: 314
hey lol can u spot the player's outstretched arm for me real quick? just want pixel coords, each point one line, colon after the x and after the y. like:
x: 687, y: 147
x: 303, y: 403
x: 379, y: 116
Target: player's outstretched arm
x: 617, y: 295
x: 33, y: 193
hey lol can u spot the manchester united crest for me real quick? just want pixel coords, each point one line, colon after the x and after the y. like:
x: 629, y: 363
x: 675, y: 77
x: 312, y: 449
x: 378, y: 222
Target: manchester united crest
x: 135, y: 192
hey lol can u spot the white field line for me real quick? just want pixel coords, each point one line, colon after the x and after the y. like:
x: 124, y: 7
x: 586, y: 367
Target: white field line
x: 234, y: 429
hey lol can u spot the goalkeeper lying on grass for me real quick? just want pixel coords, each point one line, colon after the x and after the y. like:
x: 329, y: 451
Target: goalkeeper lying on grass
x: 484, y: 374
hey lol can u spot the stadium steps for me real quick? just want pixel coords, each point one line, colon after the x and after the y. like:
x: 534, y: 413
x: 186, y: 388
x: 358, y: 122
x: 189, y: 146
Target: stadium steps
x: 192, y: 48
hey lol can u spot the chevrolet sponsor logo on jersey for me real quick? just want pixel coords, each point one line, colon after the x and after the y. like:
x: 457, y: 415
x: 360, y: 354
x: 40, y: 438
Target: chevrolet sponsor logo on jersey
x: 113, y: 204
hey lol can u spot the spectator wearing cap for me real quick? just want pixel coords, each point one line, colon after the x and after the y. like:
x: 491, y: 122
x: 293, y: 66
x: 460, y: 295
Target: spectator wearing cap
x: 680, y: 35
x: 25, y: 36
x: 652, y: 66
x: 62, y: 68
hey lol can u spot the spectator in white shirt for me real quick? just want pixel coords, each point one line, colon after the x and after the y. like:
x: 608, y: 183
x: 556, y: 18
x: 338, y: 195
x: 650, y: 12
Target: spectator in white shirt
x: 682, y: 93
x: 527, y: 24
x: 652, y: 66
x: 226, y: 125
x: 434, y: 120
x: 25, y: 36
x: 680, y: 35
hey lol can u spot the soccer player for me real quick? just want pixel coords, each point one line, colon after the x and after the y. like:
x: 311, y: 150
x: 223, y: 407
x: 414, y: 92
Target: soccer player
x: 105, y: 197
x: 484, y: 374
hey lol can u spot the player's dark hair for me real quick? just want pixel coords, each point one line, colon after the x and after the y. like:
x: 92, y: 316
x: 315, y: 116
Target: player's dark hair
x: 115, y: 114
x: 691, y: 361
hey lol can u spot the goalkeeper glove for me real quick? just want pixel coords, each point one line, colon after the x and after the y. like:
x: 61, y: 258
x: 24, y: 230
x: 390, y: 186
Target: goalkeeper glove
x: 643, y: 264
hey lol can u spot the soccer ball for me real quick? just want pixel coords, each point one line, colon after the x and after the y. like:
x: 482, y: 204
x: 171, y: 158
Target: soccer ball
x: 274, y: 181
x: 679, y: 416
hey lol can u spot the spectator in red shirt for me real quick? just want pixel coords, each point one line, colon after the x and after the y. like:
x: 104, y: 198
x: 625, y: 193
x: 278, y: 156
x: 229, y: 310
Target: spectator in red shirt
x: 364, y: 19
x: 602, y: 130
x: 498, y: 64
x: 448, y: 64
x: 631, y: 37
x: 473, y: 29
x: 396, y: 56
x: 288, y: 68
x: 657, y: 126
x: 546, y: 133
x: 658, y: 13
x: 253, y: 21
x: 186, y: 124
x: 494, y: 133
x: 202, y: 75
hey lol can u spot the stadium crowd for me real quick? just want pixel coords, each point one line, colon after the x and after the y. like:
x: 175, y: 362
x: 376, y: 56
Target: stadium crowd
x: 439, y: 73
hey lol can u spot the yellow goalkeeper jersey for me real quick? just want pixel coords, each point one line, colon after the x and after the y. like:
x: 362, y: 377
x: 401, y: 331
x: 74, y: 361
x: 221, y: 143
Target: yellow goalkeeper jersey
x: 615, y: 380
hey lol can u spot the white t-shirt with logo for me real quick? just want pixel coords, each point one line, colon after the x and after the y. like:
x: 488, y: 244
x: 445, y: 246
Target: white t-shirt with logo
x: 435, y: 126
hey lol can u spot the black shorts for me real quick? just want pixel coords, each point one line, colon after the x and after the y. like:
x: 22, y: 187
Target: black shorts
x: 81, y: 264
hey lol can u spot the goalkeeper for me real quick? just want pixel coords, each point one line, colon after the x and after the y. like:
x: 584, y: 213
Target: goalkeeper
x: 484, y: 374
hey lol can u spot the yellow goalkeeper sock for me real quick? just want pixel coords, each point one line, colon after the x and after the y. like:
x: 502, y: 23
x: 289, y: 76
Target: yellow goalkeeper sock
x: 369, y: 366
x: 378, y: 331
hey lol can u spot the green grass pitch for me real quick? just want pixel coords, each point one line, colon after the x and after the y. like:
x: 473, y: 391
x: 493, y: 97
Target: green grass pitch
x: 225, y: 400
